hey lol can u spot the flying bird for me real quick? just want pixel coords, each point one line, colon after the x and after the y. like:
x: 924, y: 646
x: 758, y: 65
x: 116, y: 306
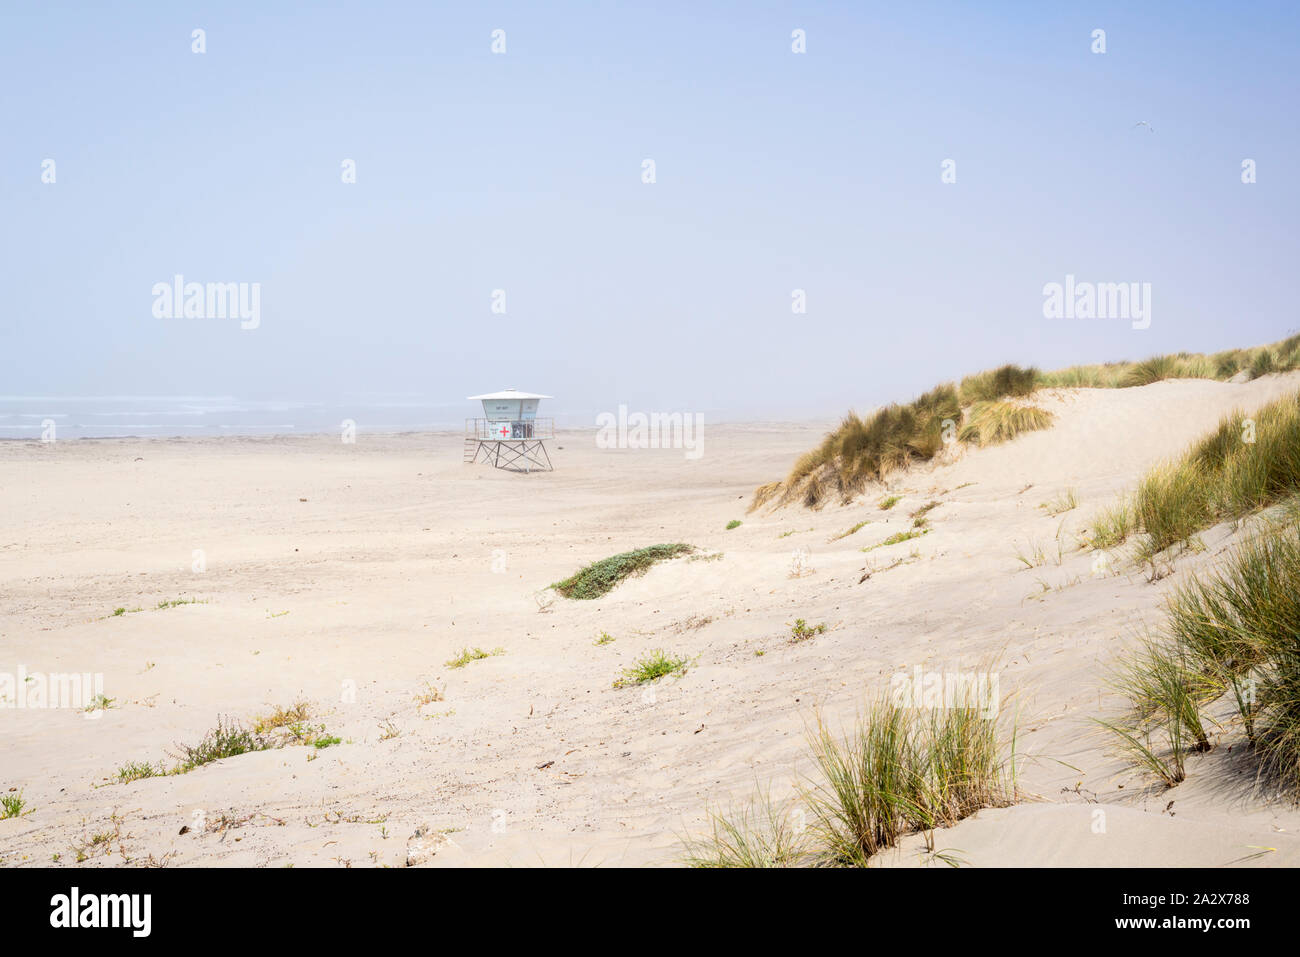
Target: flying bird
x: 1144, y: 123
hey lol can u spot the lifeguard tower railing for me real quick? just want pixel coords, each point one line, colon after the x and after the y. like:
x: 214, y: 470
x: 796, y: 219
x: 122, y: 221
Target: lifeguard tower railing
x: 489, y: 430
x: 518, y: 444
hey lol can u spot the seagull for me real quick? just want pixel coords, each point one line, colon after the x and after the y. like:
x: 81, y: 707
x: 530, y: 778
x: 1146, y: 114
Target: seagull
x: 1144, y: 123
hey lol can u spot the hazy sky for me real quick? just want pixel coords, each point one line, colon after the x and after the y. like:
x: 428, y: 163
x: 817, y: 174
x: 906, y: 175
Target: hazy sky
x: 522, y: 171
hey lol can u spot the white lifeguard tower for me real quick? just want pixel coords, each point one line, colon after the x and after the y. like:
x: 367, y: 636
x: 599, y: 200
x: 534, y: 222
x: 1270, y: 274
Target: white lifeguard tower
x: 510, y: 435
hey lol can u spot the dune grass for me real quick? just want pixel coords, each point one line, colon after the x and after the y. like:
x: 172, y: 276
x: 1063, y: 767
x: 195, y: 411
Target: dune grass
x: 989, y: 423
x: 987, y: 407
x: 1008, y: 380
x: 1242, y: 466
x: 869, y: 449
x: 1113, y: 525
x: 1241, y: 625
x: 1231, y: 635
x: 898, y: 770
x: 600, y: 577
x: 756, y: 834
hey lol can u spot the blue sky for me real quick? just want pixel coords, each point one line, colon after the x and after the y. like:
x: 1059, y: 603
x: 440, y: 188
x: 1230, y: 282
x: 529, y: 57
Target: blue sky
x: 522, y: 172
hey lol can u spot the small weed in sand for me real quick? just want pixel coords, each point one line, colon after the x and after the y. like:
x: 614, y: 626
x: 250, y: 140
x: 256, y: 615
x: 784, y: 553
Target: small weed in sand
x: 847, y: 533
x: 898, y: 537
x: 100, y: 702
x: 175, y: 602
x: 1036, y: 555
x: 889, y: 502
x: 388, y: 730
x: 429, y: 695
x: 705, y: 557
x: 801, y: 630
x: 135, y: 770
x: 472, y: 654
x: 1112, y: 526
x: 1067, y: 501
x: 924, y: 510
x: 734, y: 523
x: 604, y: 639
x: 326, y: 741
x: 226, y: 740
x: 282, y: 718
x: 11, y: 805
x: 651, y: 667
x: 119, y: 612
x: 600, y: 577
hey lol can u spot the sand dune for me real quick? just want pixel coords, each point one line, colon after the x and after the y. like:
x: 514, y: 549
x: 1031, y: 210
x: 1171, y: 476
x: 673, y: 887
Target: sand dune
x: 346, y: 575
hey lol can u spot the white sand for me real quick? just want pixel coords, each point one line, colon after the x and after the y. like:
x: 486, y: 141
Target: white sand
x: 387, y: 569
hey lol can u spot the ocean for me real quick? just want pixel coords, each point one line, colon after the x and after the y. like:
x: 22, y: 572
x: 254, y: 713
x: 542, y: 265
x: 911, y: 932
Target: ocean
x: 106, y: 416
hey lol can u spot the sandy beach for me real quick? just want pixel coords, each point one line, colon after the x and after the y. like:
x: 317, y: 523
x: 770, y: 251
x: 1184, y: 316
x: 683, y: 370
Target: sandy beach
x: 347, y: 575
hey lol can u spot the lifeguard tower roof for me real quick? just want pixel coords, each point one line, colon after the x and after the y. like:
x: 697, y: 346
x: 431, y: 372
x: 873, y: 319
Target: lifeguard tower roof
x: 508, y: 394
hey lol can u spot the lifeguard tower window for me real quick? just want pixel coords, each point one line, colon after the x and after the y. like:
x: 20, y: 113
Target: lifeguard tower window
x: 510, y: 435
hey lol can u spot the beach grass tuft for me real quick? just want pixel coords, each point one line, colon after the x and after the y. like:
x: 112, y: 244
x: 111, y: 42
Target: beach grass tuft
x: 898, y: 770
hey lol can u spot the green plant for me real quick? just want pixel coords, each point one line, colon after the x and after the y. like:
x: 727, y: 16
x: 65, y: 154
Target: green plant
x: 282, y: 717
x: 226, y: 740
x: 600, y: 577
x: 466, y: 655
x: 11, y: 805
x: 847, y: 533
x: 175, y: 602
x: 734, y: 523
x: 604, y: 639
x: 896, y: 538
x: 651, y: 667
x: 1112, y: 525
x: 136, y: 770
x: 801, y: 630
x: 889, y: 502
x: 326, y: 741
x: 1066, y: 502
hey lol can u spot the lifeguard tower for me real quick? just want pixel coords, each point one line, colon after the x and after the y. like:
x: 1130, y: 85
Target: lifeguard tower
x: 510, y: 435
